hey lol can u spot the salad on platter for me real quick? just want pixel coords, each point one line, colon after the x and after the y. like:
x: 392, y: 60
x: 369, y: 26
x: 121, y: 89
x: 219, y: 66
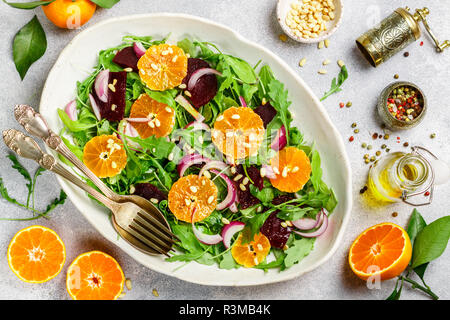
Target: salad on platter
x: 209, y: 140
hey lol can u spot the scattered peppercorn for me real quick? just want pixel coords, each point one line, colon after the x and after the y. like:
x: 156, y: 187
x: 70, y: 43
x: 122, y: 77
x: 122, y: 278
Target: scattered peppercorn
x: 341, y: 105
x: 386, y: 136
x: 421, y: 43
x: 356, y: 130
x: 406, y: 54
x: 351, y: 138
x: 354, y: 125
x: 387, y: 150
x: 366, y: 161
x: 378, y: 153
x: 366, y: 156
x: 349, y: 104
x: 406, y: 144
x: 433, y: 135
x: 380, y: 136
x: 364, y: 145
x: 375, y: 136
x: 394, y: 214
x: 426, y: 194
x: 383, y: 146
x: 372, y: 159
x: 369, y: 147
x: 363, y: 189
x: 396, y: 76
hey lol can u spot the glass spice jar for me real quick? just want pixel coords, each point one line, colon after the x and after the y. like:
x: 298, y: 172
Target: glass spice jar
x: 400, y: 176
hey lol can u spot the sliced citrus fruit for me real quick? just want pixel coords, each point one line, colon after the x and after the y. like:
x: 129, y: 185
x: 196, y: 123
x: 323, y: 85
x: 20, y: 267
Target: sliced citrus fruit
x: 94, y: 275
x: 36, y: 254
x: 238, y: 132
x: 161, y: 117
x: 193, y: 194
x: 105, y: 156
x: 163, y: 67
x: 382, y: 250
x: 251, y: 253
x: 292, y: 169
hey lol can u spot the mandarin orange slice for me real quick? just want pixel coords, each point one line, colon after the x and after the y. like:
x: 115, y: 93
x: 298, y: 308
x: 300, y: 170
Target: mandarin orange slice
x: 238, y: 132
x: 292, y: 169
x: 193, y: 194
x: 105, y: 156
x: 252, y: 253
x: 383, y: 250
x: 94, y: 276
x: 36, y: 254
x: 161, y: 117
x: 163, y: 67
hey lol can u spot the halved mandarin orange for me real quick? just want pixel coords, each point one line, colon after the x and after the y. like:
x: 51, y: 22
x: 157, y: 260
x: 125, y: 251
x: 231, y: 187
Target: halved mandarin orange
x: 193, y: 194
x: 161, y: 117
x: 105, y: 156
x: 292, y: 169
x: 36, y: 254
x: 251, y: 253
x: 163, y: 67
x: 94, y: 275
x: 238, y: 132
x: 382, y: 250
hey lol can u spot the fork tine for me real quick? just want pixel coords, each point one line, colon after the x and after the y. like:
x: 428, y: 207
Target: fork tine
x: 151, y: 228
x: 136, y: 234
x: 149, y: 235
x: 151, y: 219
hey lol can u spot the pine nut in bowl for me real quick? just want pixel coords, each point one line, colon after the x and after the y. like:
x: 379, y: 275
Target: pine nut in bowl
x: 309, y: 21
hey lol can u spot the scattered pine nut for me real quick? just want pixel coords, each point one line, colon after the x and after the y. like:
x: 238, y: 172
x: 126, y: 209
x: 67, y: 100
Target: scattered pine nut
x: 155, y: 293
x: 302, y: 62
x: 322, y: 71
x: 283, y: 37
x: 326, y: 61
x: 327, y: 42
x: 320, y: 45
x: 340, y: 63
x: 128, y: 284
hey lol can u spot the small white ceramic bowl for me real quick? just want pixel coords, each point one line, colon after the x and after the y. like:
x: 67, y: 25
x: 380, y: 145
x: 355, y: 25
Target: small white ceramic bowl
x: 284, y: 6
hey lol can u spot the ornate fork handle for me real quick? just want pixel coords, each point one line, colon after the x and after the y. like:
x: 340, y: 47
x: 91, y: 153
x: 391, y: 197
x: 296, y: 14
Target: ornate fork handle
x: 26, y: 147
x: 36, y: 125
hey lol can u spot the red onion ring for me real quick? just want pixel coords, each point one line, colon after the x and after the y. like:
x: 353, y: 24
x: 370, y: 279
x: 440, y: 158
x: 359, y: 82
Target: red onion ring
x: 101, y: 85
x: 230, y: 230
x: 189, y: 108
x: 308, y: 223
x: 231, y: 191
x: 280, y: 140
x: 318, y: 232
x: 71, y: 110
x: 188, y: 161
x: 139, y: 49
x: 195, y: 125
x: 95, y: 107
x: 203, y: 237
x: 242, y: 100
x: 197, y: 74
x: 214, y: 164
x: 233, y: 207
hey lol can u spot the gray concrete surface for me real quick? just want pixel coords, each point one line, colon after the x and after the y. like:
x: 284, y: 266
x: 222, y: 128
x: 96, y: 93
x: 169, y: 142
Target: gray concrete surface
x: 255, y: 19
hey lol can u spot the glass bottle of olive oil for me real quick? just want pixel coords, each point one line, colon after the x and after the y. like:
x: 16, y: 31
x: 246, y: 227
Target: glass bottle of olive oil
x: 398, y: 176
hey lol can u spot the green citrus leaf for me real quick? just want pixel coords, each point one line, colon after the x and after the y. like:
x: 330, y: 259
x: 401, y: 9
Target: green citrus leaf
x: 28, y: 5
x: 107, y: 4
x: 29, y: 45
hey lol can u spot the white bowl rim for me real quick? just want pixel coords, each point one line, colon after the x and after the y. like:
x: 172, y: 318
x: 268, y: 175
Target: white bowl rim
x: 133, y: 253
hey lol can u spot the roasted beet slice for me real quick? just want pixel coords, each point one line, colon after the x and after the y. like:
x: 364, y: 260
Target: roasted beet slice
x: 245, y: 197
x: 114, y: 109
x: 206, y: 87
x: 127, y: 58
x: 266, y: 113
x: 282, y: 199
x: 149, y: 191
x: 275, y: 232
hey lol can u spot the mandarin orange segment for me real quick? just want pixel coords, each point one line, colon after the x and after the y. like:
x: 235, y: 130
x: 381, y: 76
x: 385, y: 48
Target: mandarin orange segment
x: 105, y: 156
x: 193, y: 194
x: 238, y: 132
x: 36, y: 254
x: 94, y: 275
x: 163, y: 67
x: 384, y: 249
x: 292, y: 169
x: 161, y: 117
x: 251, y: 253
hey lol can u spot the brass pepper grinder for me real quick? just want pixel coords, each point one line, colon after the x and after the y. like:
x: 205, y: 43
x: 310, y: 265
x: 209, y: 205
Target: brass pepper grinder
x: 395, y: 33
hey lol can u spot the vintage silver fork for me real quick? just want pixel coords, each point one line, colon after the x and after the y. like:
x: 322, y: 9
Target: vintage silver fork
x: 132, y: 221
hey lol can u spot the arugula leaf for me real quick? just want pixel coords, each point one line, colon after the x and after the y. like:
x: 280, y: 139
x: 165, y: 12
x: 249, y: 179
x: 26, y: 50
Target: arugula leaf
x: 57, y: 201
x: 227, y: 261
x: 316, y: 171
x: 431, y: 242
x: 159, y: 148
x: 242, y: 69
x: 28, y: 5
x: 107, y: 4
x: 29, y: 45
x: 188, y: 47
x: 265, y: 195
x: 336, y: 84
x: 298, y: 250
x: 279, y: 100
x: 24, y: 172
x: 75, y: 126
